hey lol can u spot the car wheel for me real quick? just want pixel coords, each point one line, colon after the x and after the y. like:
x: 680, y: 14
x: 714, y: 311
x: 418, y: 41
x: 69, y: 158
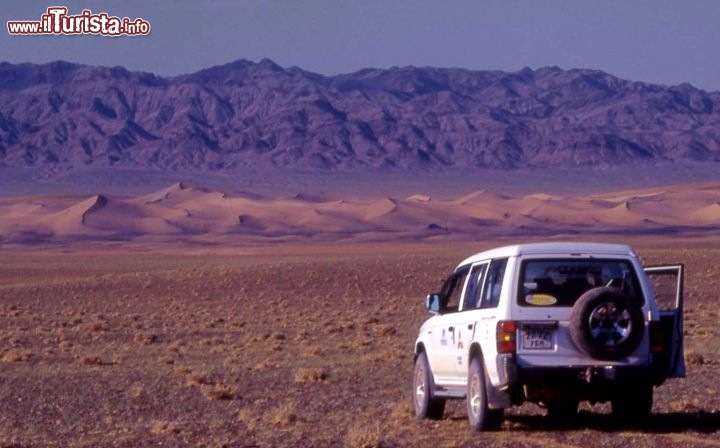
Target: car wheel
x: 562, y: 412
x: 632, y: 405
x: 426, y: 406
x: 605, y: 324
x: 480, y: 416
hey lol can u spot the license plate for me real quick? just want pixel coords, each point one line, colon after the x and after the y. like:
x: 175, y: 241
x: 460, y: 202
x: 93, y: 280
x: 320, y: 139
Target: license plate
x: 537, y: 337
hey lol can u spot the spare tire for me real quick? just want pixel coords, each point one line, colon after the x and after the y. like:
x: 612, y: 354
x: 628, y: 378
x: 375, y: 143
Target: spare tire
x: 605, y: 324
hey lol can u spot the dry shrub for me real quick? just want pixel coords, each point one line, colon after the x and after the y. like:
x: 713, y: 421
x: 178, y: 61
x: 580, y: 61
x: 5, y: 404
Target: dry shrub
x: 261, y: 337
x: 136, y: 390
x: 76, y: 321
x: 199, y: 379
x: 314, y: 374
x: 312, y: 351
x: 221, y: 393
x: 168, y: 360
x: 384, y: 330
x: 286, y: 414
x: 402, y: 410
x: 182, y: 370
x: 262, y: 365
x: 696, y: 359
x: 15, y: 355
x: 159, y: 427
x: 366, y: 437
x: 371, y: 358
x: 214, y: 323
x: 147, y: 338
x: 218, y: 350
x: 249, y: 418
x: 176, y: 346
x: 334, y: 328
x: 91, y: 327
x: 685, y: 405
x: 94, y: 360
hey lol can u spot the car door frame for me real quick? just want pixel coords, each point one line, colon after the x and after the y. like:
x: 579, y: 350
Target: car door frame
x: 671, y: 320
x: 467, y: 320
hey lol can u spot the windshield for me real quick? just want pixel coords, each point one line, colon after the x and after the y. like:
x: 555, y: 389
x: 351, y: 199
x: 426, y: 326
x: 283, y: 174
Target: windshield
x: 560, y: 282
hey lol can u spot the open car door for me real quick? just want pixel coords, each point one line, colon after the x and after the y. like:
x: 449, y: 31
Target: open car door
x: 667, y: 281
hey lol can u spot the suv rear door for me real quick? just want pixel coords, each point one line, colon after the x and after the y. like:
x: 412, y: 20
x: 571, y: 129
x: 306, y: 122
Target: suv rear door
x: 668, y: 281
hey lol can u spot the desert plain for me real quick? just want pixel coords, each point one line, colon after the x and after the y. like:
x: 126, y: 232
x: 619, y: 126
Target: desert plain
x: 190, y: 317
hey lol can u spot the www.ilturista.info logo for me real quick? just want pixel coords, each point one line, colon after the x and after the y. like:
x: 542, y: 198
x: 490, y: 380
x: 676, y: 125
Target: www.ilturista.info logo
x: 56, y: 21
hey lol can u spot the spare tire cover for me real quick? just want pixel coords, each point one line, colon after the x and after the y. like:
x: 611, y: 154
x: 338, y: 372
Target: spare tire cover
x: 605, y: 324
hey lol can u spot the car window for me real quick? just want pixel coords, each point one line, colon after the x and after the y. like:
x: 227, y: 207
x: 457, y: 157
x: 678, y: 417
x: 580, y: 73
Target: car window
x: 474, y: 287
x: 561, y: 282
x: 493, y: 284
x: 452, y: 289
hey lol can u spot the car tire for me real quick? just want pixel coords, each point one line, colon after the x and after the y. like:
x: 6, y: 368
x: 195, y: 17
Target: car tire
x: 426, y: 406
x: 480, y: 416
x: 632, y: 405
x: 605, y: 324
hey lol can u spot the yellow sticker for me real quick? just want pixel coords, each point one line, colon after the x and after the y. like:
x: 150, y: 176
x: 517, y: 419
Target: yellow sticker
x: 540, y: 299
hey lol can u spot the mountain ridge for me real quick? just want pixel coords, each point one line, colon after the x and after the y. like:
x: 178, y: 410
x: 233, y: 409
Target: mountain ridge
x: 244, y: 114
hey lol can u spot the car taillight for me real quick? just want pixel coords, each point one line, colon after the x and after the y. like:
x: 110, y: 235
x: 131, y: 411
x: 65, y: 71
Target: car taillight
x: 657, y: 338
x: 506, y: 330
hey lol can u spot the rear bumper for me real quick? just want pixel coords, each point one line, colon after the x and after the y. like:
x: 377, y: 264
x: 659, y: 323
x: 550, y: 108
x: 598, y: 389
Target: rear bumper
x: 578, y: 383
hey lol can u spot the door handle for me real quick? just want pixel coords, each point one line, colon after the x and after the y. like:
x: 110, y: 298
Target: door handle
x: 451, y: 329
x: 470, y: 326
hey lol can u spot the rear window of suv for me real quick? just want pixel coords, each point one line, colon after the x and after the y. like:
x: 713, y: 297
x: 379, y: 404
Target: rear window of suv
x: 560, y: 282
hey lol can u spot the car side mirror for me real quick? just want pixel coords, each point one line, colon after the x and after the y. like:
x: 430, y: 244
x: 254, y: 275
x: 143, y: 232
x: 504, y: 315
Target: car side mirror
x: 432, y: 303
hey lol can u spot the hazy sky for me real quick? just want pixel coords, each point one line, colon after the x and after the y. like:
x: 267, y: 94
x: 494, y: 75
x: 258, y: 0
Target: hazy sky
x: 660, y: 41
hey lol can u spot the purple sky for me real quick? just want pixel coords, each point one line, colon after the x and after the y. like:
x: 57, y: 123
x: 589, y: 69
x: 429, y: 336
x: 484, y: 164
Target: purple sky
x: 659, y: 41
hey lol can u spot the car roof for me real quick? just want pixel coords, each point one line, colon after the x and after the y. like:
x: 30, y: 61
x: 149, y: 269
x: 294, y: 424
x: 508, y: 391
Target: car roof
x: 554, y: 249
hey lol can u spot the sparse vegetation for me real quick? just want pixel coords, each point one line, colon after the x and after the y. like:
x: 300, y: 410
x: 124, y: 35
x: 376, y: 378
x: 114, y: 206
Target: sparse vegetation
x: 366, y: 437
x: 309, y: 348
x: 314, y: 374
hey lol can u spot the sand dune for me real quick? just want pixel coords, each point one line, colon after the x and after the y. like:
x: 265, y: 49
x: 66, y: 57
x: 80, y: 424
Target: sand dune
x: 419, y: 198
x: 380, y: 208
x: 23, y: 209
x: 709, y: 213
x: 186, y: 212
x: 543, y: 197
x: 72, y: 220
x: 480, y: 197
x: 163, y: 194
x: 623, y: 214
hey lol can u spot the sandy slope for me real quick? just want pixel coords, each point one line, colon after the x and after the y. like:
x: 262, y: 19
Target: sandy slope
x: 186, y: 212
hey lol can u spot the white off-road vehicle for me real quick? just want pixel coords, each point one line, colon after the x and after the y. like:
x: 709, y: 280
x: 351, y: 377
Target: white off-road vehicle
x: 554, y: 324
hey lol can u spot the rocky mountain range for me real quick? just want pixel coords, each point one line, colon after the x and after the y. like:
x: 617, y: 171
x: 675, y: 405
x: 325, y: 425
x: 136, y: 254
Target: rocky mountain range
x: 244, y: 114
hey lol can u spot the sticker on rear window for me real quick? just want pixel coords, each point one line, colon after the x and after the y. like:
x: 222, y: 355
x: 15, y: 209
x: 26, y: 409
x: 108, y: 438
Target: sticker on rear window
x: 540, y: 299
